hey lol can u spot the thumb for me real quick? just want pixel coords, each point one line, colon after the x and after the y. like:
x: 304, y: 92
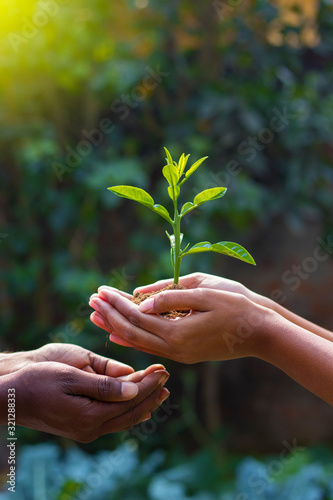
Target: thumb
x: 197, y: 299
x: 101, y: 387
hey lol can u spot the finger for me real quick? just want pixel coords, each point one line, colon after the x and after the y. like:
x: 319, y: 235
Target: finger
x: 129, y: 310
x: 98, y: 320
x: 102, y: 411
x: 198, y: 300
x: 133, y: 377
x: 130, y: 325
x: 112, y: 289
x: 164, y: 394
x: 139, y: 375
x: 117, y: 340
x: 132, y: 417
x: 146, y: 417
x: 135, y: 415
x: 99, y: 387
x: 106, y: 366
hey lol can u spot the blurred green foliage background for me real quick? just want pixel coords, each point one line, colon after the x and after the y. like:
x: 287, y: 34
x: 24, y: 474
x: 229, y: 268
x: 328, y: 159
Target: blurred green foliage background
x: 90, y: 93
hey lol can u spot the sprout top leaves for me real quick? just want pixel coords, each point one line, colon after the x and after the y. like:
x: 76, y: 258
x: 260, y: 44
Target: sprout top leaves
x: 176, y: 175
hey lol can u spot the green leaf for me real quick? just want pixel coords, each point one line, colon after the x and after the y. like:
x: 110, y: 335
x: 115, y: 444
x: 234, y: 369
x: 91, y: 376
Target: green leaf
x: 133, y: 193
x: 169, y: 157
x: 182, y: 163
x: 194, y: 167
x: 162, y: 211
x: 203, y: 246
x: 174, y: 192
x: 171, y: 174
x: 186, y: 208
x: 233, y: 250
x: 209, y: 194
x: 223, y: 247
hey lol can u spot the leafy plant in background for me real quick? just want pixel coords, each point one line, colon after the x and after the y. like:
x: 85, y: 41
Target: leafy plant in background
x: 47, y: 471
x: 176, y: 174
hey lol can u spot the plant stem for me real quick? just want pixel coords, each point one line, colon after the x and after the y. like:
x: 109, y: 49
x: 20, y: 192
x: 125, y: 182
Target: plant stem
x: 176, y: 229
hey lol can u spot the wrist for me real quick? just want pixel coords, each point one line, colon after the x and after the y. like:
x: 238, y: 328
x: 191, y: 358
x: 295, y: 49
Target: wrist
x: 14, y: 361
x: 9, y: 391
x: 267, y: 333
x: 250, y: 337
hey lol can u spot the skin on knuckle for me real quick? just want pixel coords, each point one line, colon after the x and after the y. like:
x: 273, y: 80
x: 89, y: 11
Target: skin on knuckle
x: 134, y: 317
x: 199, y: 294
x: 163, y: 300
x: 128, y: 334
x: 104, y: 390
x: 68, y: 381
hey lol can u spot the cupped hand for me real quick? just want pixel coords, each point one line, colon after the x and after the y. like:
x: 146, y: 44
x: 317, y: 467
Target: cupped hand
x: 78, y: 357
x: 203, y: 280
x: 221, y: 324
x: 81, y: 405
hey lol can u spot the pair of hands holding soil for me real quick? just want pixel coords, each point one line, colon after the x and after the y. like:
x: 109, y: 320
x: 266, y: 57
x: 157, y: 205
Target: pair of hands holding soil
x: 69, y: 391
x: 226, y: 321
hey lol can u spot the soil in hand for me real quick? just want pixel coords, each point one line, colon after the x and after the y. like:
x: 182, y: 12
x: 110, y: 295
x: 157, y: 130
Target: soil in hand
x: 140, y: 297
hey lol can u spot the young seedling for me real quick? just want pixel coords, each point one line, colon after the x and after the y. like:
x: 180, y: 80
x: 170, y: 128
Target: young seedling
x: 176, y: 175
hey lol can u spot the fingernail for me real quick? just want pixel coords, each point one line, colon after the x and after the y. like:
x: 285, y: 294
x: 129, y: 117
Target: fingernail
x: 147, y: 305
x: 98, y: 321
x: 93, y: 304
x: 129, y: 390
x: 164, y: 379
x: 102, y: 295
x: 163, y: 398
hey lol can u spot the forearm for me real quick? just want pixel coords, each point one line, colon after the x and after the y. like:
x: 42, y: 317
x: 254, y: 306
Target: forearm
x: 299, y: 321
x: 13, y: 361
x: 304, y: 356
x: 8, y: 391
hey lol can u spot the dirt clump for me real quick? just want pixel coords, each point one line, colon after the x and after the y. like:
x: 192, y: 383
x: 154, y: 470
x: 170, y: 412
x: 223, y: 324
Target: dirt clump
x: 140, y: 297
